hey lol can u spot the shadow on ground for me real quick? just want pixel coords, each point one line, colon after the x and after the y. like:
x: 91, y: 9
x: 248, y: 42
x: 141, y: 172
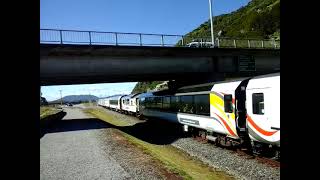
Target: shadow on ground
x: 152, y: 131
x: 47, y: 122
x: 56, y: 124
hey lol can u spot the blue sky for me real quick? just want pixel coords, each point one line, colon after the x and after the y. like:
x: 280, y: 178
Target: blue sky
x: 143, y: 16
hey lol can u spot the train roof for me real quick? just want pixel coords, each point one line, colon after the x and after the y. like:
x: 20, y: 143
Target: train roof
x: 267, y: 75
x: 134, y: 95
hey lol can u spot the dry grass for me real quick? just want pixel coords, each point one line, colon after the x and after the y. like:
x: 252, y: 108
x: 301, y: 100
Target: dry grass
x: 47, y: 111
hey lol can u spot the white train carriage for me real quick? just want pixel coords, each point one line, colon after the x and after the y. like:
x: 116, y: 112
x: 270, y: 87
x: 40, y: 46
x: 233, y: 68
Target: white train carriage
x: 243, y: 110
x: 129, y: 103
x: 115, y: 102
x: 263, y: 109
x: 106, y: 102
x: 100, y: 102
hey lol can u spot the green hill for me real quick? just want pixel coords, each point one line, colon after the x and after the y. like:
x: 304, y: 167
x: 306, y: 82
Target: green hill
x: 145, y: 86
x: 259, y: 19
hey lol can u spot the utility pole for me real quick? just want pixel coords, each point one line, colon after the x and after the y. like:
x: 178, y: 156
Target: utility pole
x: 211, y: 16
x: 61, y: 97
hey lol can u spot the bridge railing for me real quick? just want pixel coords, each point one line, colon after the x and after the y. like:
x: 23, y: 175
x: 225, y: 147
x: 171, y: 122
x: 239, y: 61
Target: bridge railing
x: 57, y: 36
x: 224, y: 42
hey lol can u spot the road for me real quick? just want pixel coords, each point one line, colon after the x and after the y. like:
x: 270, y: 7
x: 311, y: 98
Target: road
x: 82, y: 147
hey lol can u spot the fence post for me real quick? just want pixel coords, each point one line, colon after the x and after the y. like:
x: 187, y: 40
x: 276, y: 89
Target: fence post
x: 61, y: 42
x: 274, y: 42
x: 249, y: 43
x: 262, y: 43
x: 182, y: 43
x: 116, y: 39
x: 90, y: 37
x: 140, y: 38
x: 218, y: 42
x: 234, y: 43
x: 162, y: 40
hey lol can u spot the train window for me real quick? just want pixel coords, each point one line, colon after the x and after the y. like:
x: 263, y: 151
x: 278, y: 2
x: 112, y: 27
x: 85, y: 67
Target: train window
x: 166, y: 102
x: 148, y: 102
x: 158, y: 102
x: 114, y: 102
x: 257, y: 103
x: 228, y: 103
x: 202, y: 104
x: 186, y: 104
x: 151, y: 102
x: 174, y: 103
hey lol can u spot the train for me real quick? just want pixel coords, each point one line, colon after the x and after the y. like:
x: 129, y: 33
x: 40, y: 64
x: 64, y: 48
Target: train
x: 243, y: 113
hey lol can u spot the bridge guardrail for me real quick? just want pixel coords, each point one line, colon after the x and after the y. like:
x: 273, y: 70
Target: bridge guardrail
x: 57, y: 36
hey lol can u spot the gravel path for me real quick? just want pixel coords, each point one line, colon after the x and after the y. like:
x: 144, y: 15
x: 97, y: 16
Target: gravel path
x: 220, y: 158
x: 76, y: 149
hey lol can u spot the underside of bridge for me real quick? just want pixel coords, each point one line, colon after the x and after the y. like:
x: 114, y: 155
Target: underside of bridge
x: 85, y: 64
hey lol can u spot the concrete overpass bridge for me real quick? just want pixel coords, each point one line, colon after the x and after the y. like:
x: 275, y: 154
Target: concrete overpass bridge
x: 67, y: 59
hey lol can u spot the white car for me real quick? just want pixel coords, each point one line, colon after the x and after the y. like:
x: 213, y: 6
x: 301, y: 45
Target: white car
x: 199, y: 44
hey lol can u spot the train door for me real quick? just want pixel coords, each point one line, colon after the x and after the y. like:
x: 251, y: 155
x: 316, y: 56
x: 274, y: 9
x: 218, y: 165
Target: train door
x: 240, y: 109
x: 258, y: 112
x: 137, y: 105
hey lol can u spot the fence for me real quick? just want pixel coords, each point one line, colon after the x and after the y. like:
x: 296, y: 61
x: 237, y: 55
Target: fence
x: 107, y: 38
x: 56, y: 36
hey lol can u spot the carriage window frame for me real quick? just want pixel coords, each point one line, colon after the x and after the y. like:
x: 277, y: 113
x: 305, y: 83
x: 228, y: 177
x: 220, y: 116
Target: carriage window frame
x: 187, y: 104
x: 228, y: 106
x: 166, y: 102
x: 202, y: 104
x: 256, y: 104
x: 174, y: 103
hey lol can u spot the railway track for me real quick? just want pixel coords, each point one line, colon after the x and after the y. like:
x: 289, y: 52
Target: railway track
x: 243, y: 153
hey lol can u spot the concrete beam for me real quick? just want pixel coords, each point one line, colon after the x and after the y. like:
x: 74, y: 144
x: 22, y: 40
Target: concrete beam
x: 83, y: 64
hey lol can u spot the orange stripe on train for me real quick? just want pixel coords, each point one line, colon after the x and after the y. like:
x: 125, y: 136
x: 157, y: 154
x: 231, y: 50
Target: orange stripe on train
x: 264, y: 132
x: 228, y: 128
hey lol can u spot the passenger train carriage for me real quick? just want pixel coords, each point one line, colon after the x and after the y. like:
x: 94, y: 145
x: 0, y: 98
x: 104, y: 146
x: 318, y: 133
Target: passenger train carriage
x: 238, y: 112
x: 129, y: 103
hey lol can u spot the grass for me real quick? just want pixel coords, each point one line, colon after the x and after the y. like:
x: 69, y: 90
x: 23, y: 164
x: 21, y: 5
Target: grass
x: 47, y: 111
x: 173, y: 159
x: 106, y: 117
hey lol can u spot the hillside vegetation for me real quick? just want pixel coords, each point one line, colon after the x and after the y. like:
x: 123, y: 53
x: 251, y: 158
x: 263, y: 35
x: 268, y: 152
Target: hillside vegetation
x: 259, y: 19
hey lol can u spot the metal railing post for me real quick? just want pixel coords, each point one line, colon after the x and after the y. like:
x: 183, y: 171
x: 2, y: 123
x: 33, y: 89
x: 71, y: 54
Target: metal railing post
x: 140, y: 39
x: 249, y: 43
x: 182, y: 43
x: 162, y: 40
x: 116, y: 34
x: 234, y: 43
x: 90, y: 37
x: 262, y: 43
x: 61, y: 42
